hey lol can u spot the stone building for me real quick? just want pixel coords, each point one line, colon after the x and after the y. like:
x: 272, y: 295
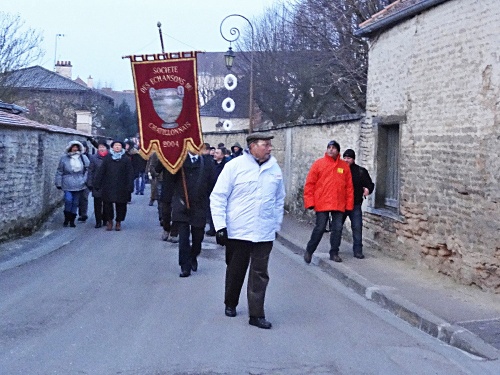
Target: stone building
x: 54, y: 98
x: 431, y: 136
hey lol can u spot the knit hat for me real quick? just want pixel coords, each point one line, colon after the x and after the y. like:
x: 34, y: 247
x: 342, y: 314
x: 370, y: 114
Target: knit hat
x: 349, y: 153
x: 334, y: 144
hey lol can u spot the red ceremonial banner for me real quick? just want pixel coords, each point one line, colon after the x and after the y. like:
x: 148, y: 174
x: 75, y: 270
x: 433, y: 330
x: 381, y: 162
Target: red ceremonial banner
x: 166, y: 92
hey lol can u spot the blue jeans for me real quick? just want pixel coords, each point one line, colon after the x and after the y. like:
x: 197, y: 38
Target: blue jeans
x: 72, y: 201
x: 140, y: 183
x: 319, y: 229
x: 356, y: 217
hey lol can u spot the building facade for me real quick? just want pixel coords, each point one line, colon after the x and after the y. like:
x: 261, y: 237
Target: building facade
x: 431, y: 136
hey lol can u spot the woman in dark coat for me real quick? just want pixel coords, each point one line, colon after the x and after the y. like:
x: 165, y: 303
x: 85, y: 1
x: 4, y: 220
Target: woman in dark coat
x: 115, y: 181
x: 95, y: 163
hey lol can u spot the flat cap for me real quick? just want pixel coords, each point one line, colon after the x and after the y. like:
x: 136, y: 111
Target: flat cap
x: 258, y: 136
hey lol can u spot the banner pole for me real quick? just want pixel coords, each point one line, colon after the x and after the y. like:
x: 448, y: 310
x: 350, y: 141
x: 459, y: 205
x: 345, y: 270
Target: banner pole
x: 161, y: 37
x: 184, y: 186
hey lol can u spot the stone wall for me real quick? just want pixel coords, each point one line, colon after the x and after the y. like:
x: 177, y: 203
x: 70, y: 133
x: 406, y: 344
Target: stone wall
x: 440, y: 73
x: 296, y: 146
x: 29, y: 156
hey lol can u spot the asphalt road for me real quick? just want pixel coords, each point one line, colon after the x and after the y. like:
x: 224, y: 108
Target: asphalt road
x: 113, y: 303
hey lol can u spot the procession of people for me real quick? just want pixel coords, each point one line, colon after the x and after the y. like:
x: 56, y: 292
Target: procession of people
x: 239, y: 197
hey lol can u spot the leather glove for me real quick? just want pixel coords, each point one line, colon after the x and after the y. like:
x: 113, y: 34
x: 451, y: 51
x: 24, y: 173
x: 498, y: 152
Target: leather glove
x: 221, y: 236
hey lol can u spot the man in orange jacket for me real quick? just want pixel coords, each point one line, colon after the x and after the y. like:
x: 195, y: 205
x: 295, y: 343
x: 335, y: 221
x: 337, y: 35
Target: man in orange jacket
x: 329, y: 191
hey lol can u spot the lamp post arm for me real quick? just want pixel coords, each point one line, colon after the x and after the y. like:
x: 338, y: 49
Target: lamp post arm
x: 235, y: 35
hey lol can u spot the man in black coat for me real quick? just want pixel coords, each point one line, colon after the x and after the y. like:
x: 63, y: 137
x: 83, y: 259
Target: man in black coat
x: 189, y: 213
x: 363, y: 186
x: 219, y: 161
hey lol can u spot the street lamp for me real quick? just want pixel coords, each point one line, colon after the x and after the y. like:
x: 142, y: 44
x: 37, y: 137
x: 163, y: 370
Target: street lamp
x: 229, y: 58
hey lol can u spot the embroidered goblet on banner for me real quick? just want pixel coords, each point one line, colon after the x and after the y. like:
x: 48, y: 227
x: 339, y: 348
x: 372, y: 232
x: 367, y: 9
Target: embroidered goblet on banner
x: 168, y: 105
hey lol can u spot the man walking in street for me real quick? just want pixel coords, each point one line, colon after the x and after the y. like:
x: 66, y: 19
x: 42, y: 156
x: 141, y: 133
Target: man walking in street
x: 189, y: 191
x: 329, y: 191
x: 247, y: 210
x: 363, y: 186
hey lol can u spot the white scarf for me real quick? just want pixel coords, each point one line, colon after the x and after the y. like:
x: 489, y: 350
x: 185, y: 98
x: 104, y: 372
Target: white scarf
x: 75, y: 162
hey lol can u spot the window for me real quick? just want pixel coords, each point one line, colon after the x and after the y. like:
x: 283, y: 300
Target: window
x: 387, y: 187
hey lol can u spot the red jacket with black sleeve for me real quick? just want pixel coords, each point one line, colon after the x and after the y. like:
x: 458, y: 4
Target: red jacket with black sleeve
x: 329, y: 186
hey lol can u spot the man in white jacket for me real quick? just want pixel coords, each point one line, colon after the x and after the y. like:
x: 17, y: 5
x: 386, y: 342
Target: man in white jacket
x: 247, y: 210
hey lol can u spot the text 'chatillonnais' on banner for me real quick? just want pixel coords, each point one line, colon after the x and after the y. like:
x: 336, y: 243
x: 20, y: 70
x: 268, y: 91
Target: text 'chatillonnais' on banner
x: 166, y: 93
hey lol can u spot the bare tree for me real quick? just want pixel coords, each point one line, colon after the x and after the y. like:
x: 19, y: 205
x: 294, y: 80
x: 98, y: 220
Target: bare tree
x: 307, y: 61
x: 19, y: 47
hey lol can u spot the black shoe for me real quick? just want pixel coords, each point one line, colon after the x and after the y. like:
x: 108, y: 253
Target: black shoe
x: 307, y: 257
x: 210, y: 233
x: 194, y: 264
x: 359, y: 256
x: 230, y: 311
x: 260, y: 322
x: 185, y: 274
x: 335, y: 258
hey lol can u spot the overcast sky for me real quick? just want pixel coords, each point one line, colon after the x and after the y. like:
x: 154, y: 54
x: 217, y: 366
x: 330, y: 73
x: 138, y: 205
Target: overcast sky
x: 97, y: 33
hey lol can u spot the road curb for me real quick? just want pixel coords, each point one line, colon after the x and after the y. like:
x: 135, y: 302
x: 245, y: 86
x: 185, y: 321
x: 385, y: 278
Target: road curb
x: 417, y: 316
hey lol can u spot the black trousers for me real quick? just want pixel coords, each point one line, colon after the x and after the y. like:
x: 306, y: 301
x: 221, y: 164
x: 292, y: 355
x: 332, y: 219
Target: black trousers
x: 239, y: 254
x: 188, y: 250
x: 166, y: 219
x: 83, y: 205
x: 121, y: 211
x: 99, y: 210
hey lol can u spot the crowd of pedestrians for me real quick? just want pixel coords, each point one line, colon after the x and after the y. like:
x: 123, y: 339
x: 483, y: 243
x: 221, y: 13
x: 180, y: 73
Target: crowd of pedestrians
x: 238, y: 193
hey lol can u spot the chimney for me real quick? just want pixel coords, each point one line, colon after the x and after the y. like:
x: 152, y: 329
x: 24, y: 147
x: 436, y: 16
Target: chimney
x: 90, y: 82
x: 64, y: 68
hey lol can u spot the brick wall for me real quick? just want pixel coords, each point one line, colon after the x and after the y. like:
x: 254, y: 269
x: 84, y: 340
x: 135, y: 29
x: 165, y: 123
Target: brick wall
x: 441, y: 72
x: 29, y: 156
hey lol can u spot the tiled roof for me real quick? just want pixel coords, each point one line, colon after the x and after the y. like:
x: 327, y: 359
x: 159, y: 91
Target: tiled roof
x: 22, y: 122
x: 393, y: 14
x: 213, y: 63
x: 39, y: 78
x: 241, y: 97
